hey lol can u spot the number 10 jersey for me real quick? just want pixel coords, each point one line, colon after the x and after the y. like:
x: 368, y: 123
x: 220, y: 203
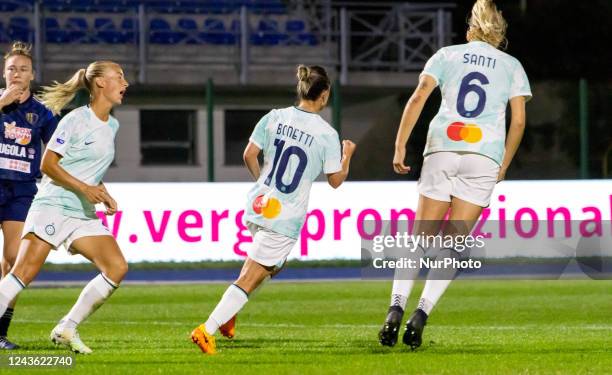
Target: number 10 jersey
x: 477, y: 80
x: 297, y: 146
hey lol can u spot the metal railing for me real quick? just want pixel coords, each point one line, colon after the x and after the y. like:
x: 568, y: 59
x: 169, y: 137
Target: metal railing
x: 345, y: 37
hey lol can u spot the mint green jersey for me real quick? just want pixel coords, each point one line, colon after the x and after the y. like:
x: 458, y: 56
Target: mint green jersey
x: 477, y: 80
x: 297, y: 146
x: 87, y: 147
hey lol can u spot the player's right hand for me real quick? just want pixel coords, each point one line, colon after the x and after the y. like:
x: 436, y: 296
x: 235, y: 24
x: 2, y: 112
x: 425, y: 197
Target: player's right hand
x: 398, y: 161
x: 348, y: 148
x: 110, y: 204
x: 11, y: 95
x: 95, y: 194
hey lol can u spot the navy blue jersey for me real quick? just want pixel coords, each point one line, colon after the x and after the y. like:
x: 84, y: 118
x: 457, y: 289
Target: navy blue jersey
x: 25, y: 127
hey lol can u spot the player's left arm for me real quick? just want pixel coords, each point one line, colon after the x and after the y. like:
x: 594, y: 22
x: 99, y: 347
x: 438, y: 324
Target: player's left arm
x: 250, y: 159
x: 515, y: 133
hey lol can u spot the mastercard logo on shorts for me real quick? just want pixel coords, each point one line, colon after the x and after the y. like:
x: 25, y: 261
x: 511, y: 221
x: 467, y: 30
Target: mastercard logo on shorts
x: 458, y: 131
x: 269, y: 208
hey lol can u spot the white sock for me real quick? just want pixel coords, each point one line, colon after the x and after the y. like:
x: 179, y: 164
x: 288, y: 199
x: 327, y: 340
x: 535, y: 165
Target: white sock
x: 232, y: 301
x: 403, y: 279
x: 10, y: 287
x: 93, y: 296
x: 438, y: 280
x: 400, y: 292
x: 431, y: 294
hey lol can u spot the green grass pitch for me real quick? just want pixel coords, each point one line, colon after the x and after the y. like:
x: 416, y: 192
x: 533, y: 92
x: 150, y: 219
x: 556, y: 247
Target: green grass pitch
x: 487, y: 327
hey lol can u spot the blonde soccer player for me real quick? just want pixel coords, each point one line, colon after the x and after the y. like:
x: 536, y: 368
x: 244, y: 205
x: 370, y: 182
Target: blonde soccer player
x: 26, y: 125
x: 63, y: 211
x: 466, y: 154
x: 297, y: 146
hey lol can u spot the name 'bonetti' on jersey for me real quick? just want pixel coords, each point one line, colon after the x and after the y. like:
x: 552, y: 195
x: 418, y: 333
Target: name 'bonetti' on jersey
x: 295, y: 134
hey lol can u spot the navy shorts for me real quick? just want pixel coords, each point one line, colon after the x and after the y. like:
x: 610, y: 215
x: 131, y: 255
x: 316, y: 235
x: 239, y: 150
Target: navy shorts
x: 15, y: 199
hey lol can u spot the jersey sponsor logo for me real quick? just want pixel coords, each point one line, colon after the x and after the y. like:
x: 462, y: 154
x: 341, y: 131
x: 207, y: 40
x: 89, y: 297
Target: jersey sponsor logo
x: 458, y: 131
x: 31, y: 117
x: 12, y: 150
x: 15, y: 165
x: 269, y: 207
x: 22, y: 136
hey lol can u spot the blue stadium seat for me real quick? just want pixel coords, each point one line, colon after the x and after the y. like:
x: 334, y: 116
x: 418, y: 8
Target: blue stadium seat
x: 77, y: 30
x: 19, y: 29
x: 267, y: 34
x: 266, y: 7
x: 295, y: 26
x: 161, y: 33
x: 4, y: 38
x: 106, y: 32
x: 53, y: 32
x: 8, y: 6
x: 56, y: 5
x: 296, y: 32
x: 190, y: 28
x: 104, y: 24
x: 215, y: 33
x: 129, y: 29
x: 82, y: 5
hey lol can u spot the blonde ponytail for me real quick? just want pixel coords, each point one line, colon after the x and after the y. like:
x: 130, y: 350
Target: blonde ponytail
x: 487, y: 24
x: 59, y: 95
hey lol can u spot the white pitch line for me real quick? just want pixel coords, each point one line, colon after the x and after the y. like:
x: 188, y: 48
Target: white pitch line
x: 590, y: 327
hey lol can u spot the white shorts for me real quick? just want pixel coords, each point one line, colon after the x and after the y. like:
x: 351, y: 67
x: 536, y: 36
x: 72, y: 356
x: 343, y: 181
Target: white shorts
x: 468, y: 176
x: 58, y: 229
x: 269, y: 248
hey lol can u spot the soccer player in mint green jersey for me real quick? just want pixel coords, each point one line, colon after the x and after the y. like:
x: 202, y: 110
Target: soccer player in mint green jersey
x: 297, y: 145
x: 466, y: 154
x: 78, y: 155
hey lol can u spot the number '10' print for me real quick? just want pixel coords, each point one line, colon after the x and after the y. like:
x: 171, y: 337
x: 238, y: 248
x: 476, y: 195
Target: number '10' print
x: 281, y: 159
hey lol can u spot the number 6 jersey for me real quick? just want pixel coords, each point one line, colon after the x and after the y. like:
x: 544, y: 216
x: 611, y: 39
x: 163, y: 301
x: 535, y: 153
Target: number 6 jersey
x: 297, y: 146
x: 476, y: 80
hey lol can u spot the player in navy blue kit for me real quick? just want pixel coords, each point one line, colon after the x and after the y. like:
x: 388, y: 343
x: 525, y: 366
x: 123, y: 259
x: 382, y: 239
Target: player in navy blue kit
x: 26, y: 124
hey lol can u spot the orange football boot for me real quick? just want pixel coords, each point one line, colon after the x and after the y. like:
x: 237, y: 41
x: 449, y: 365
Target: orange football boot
x: 229, y: 328
x: 203, y: 340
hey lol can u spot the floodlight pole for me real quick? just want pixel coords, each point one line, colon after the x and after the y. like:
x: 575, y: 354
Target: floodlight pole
x: 210, y: 103
x: 336, y: 107
x: 584, y: 129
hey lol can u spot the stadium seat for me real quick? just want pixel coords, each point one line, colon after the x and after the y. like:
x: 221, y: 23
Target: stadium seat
x: 267, y: 34
x: 19, y: 29
x: 56, y: 5
x: 77, y: 30
x: 129, y: 29
x: 297, y: 35
x: 82, y: 5
x: 4, y: 38
x: 53, y: 32
x: 215, y: 33
x: 161, y: 33
x: 8, y: 6
x: 106, y: 32
x: 190, y: 28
